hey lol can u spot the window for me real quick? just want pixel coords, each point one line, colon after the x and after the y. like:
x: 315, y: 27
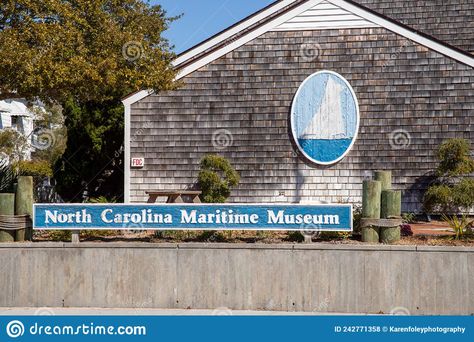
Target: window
x: 15, y: 122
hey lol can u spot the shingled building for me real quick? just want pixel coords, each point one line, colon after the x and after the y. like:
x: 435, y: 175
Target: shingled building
x: 409, y: 63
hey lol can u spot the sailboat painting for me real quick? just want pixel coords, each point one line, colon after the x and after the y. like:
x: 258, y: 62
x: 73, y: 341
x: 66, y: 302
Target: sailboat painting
x: 325, y: 117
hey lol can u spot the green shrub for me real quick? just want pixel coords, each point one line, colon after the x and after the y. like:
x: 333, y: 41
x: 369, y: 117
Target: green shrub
x: 39, y: 169
x: 409, y: 218
x: 453, y: 191
x: 356, y: 220
x: 455, y: 159
x: 102, y: 200
x: 7, y: 178
x: 216, y: 179
x: 60, y: 235
x: 295, y: 236
x: 460, y: 225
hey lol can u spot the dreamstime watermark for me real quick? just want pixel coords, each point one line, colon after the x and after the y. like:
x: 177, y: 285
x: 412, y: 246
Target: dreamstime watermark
x: 43, y: 139
x: 323, y: 306
x: 222, y: 139
x: 15, y: 329
x: 396, y: 54
x: 310, y: 52
x: 400, y: 311
x: 132, y: 51
x: 44, y: 312
x: 134, y: 137
x: 223, y: 311
x: 311, y: 231
x: 400, y: 139
x: 133, y: 228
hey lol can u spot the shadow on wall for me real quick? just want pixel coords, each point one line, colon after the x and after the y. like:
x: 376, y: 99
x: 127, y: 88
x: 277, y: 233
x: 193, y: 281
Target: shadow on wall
x: 412, y: 200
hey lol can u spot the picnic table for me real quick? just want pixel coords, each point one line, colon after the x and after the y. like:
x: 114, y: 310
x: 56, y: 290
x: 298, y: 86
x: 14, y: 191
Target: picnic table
x: 174, y: 196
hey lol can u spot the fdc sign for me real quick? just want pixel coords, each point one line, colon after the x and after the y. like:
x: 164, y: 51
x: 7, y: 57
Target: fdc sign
x: 337, y: 217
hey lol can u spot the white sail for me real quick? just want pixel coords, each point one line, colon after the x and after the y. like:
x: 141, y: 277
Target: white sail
x: 328, y: 122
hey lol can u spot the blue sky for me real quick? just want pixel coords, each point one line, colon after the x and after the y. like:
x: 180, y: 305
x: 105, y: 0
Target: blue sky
x: 204, y: 18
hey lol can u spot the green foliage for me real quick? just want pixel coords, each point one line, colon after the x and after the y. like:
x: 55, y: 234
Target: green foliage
x: 335, y: 235
x: 454, y: 189
x: 49, y: 124
x: 409, y: 217
x: 357, y: 217
x: 454, y: 157
x: 94, y: 50
x: 60, y: 235
x: 102, y: 199
x: 295, y: 236
x: 93, y: 155
x: 212, y: 236
x: 38, y: 169
x: 7, y: 178
x: 216, y: 179
x: 458, y: 224
x: 12, y: 144
x: 84, y: 56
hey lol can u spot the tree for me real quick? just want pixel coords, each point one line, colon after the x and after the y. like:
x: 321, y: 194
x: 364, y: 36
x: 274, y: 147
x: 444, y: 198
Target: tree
x: 453, y: 190
x: 85, y: 55
x: 13, y: 146
x: 90, y: 50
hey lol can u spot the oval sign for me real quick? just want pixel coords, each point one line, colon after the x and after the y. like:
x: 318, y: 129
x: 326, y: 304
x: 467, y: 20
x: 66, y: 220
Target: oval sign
x: 325, y: 117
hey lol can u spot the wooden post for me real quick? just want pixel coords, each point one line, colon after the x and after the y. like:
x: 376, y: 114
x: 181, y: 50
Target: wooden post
x: 385, y: 177
x: 371, y: 198
x: 391, y: 205
x: 391, y: 208
x: 7, y: 207
x: 24, y: 205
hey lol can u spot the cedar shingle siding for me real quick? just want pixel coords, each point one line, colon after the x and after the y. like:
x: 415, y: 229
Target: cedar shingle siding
x: 399, y: 85
x: 451, y: 21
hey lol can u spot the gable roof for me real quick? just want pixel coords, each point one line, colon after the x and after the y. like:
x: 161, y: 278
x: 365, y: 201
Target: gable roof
x: 284, y: 11
x: 305, y: 15
x: 451, y: 21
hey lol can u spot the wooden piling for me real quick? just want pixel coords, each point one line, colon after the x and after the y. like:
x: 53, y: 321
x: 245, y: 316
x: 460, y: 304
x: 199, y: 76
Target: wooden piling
x: 7, y: 207
x: 371, y: 197
x: 391, y: 208
x: 24, y: 205
x: 385, y: 177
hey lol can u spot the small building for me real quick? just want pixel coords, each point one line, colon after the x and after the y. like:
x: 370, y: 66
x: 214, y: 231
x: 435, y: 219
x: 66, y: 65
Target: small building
x: 307, y: 97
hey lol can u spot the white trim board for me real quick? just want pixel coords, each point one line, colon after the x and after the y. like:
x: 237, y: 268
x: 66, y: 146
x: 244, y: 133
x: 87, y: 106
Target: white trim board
x: 127, y: 102
x: 324, y: 15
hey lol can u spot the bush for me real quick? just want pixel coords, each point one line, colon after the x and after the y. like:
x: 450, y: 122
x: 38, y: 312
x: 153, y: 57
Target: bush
x: 455, y: 159
x: 102, y: 200
x: 216, y: 179
x: 295, y: 236
x: 60, y: 235
x: 38, y: 169
x: 460, y: 225
x: 7, y: 178
x: 453, y: 191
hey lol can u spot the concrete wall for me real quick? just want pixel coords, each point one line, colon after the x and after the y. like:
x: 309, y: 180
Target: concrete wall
x: 319, y: 277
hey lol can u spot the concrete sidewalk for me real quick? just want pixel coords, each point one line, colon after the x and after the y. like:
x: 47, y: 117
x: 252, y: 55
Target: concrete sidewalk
x: 147, y: 312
